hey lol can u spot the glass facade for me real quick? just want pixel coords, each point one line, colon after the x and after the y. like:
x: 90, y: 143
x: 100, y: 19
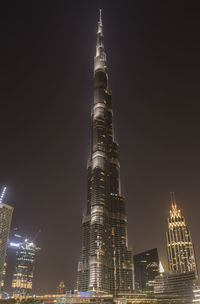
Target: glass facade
x: 106, y: 260
x: 172, y: 287
x: 146, y: 268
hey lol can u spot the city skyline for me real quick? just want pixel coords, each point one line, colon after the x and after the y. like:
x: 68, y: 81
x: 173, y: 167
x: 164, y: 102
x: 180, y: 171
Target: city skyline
x: 155, y: 106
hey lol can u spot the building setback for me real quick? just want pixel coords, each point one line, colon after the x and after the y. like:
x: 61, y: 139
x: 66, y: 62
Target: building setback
x: 180, y: 249
x: 106, y: 261
x: 146, y: 268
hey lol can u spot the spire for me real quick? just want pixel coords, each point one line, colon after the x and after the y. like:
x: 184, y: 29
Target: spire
x: 100, y: 16
x: 100, y: 53
x: 173, y: 200
x: 100, y: 25
x: 174, y: 212
x: 161, y: 268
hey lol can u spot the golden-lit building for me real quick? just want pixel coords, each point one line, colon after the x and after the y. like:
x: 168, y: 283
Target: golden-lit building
x: 61, y: 288
x: 180, y: 249
x: 24, y: 270
x: 5, y: 222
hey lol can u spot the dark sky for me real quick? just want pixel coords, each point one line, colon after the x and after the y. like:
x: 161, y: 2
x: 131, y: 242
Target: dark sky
x: 46, y: 95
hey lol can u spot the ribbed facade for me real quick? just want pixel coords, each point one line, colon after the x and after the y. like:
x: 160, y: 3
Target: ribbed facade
x: 106, y: 261
x: 180, y: 249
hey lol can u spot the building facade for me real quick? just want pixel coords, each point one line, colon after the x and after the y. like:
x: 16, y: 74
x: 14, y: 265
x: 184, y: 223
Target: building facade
x: 5, y: 222
x: 146, y: 268
x: 181, y: 257
x: 175, y: 287
x: 3, y: 276
x: 22, y: 282
x: 106, y: 261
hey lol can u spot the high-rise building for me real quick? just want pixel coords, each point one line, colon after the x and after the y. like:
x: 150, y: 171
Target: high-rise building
x: 180, y: 249
x: 106, y: 262
x: 24, y: 269
x: 146, y: 268
x: 5, y: 221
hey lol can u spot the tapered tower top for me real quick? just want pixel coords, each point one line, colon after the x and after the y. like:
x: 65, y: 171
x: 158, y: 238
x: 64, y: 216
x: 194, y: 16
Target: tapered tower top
x: 100, y: 16
x: 174, y: 212
x: 100, y: 61
x: 100, y: 25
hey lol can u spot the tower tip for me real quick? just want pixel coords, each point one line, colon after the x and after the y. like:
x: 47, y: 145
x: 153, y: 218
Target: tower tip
x: 100, y: 16
x: 173, y: 199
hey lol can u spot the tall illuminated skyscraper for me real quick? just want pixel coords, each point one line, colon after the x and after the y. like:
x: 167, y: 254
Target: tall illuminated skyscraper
x: 106, y: 261
x: 5, y: 222
x: 180, y: 249
x: 25, y: 263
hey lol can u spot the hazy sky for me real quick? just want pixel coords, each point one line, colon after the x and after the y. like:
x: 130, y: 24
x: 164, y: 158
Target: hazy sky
x: 46, y: 95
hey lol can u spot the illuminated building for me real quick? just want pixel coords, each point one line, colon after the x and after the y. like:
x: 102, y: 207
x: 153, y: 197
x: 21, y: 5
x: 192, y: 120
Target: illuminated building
x: 24, y: 269
x: 124, y: 298
x: 177, y: 287
x: 5, y: 221
x: 146, y: 268
x: 3, y: 275
x: 61, y: 288
x: 106, y: 261
x: 180, y: 249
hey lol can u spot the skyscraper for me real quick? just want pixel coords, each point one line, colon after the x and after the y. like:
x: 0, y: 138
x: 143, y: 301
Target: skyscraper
x: 25, y: 263
x: 5, y: 221
x: 146, y: 268
x: 106, y: 260
x: 180, y: 249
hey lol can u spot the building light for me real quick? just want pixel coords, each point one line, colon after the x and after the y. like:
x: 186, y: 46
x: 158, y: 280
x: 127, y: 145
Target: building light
x: 14, y: 244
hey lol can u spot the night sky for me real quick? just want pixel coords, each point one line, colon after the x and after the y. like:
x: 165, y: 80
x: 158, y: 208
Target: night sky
x: 46, y: 95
